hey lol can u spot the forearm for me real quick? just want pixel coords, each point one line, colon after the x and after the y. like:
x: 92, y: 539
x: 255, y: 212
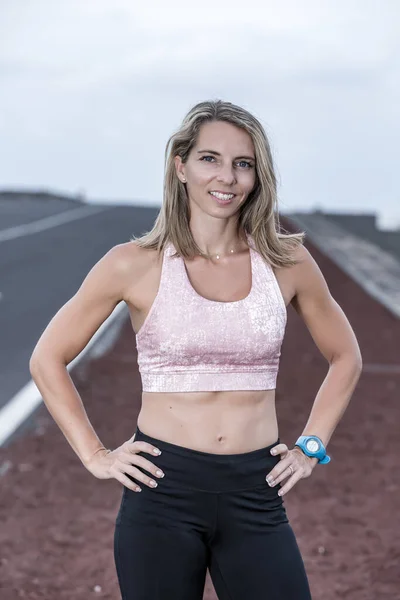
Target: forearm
x: 333, y: 398
x: 65, y: 406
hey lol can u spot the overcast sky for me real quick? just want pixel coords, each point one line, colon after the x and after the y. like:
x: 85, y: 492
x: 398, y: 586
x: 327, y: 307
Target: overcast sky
x: 90, y: 91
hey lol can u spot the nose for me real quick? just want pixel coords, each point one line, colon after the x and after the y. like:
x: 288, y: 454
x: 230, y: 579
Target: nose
x: 226, y: 174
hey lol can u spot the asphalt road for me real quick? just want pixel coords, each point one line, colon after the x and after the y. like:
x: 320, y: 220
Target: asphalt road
x: 39, y: 272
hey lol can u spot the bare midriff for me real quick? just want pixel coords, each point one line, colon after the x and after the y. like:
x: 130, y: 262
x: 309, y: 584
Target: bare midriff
x: 226, y: 422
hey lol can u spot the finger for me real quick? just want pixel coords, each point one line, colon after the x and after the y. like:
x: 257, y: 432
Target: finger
x: 128, y: 458
x: 285, y: 473
x: 140, y: 476
x: 127, y: 482
x: 279, y: 448
x: 289, y: 484
x: 135, y: 447
x: 278, y: 469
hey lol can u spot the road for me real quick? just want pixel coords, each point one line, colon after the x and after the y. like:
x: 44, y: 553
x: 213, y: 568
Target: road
x: 40, y: 271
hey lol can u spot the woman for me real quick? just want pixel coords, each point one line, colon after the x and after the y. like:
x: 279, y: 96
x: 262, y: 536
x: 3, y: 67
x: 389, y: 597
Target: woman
x: 207, y: 290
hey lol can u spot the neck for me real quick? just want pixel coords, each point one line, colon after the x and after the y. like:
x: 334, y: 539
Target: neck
x: 222, y: 248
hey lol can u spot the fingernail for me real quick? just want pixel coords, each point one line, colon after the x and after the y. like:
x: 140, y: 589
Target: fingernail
x: 156, y: 451
x: 273, y: 451
x: 160, y: 473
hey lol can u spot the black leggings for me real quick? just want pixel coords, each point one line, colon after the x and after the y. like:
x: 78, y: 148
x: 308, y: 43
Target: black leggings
x: 212, y: 511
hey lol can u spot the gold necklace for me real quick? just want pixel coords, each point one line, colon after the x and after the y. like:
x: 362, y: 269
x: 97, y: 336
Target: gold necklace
x: 217, y: 255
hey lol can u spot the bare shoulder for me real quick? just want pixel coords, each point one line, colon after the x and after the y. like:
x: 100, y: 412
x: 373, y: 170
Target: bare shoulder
x: 301, y: 254
x: 130, y: 259
x: 133, y: 266
x: 306, y: 271
x: 292, y: 278
x: 309, y: 284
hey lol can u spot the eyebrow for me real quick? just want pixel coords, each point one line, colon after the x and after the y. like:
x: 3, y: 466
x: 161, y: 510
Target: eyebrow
x: 218, y: 154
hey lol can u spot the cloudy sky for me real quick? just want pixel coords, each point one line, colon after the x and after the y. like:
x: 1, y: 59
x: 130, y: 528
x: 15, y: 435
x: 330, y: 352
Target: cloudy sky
x: 90, y: 91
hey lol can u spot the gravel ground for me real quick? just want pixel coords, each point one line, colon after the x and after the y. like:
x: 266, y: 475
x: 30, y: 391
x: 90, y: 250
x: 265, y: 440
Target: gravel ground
x: 57, y: 520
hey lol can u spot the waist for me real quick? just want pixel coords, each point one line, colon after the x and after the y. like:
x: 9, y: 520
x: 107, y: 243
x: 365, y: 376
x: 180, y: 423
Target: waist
x: 216, y: 422
x: 190, y: 468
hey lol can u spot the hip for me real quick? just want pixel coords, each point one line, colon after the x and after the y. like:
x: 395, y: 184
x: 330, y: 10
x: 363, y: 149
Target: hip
x: 198, y: 485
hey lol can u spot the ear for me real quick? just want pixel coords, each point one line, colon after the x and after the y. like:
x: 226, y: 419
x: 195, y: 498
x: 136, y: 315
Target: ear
x: 179, y: 166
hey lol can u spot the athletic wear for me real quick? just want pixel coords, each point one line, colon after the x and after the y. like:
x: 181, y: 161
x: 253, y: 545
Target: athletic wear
x: 212, y: 511
x: 188, y: 343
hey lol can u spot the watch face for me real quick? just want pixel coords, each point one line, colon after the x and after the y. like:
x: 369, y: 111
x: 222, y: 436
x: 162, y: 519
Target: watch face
x: 312, y: 446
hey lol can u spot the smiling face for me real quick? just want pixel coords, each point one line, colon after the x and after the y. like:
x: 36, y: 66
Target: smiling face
x: 223, y: 160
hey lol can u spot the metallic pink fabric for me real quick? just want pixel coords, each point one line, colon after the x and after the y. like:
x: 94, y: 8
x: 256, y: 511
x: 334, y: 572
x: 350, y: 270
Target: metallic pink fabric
x: 188, y: 343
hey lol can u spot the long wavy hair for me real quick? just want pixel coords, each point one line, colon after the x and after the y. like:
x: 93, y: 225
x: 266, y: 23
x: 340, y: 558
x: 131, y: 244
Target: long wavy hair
x: 258, y: 215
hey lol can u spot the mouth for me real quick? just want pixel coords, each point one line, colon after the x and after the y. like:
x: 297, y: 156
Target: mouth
x: 222, y: 199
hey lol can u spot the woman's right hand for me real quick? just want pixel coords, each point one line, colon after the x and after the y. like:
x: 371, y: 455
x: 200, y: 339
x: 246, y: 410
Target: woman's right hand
x: 106, y: 465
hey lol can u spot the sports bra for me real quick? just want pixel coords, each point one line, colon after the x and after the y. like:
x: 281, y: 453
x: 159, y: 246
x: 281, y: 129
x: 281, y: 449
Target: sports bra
x: 189, y: 343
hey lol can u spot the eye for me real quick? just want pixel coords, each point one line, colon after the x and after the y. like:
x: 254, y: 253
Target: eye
x: 249, y: 165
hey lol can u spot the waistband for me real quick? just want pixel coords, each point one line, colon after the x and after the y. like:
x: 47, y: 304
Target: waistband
x: 214, y: 381
x: 205, y: 471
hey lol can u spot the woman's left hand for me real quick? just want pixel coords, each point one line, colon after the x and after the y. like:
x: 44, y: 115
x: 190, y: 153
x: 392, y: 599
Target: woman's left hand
x: 293, y: 464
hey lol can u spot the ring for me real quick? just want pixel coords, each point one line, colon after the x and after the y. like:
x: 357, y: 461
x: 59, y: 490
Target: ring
x: 291, y: 469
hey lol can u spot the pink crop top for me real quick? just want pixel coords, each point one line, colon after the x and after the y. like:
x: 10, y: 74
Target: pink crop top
x: 188, y: 343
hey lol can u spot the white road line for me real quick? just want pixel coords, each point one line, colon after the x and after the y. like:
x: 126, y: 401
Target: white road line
x: 48, y: 222
x: 18, y: 409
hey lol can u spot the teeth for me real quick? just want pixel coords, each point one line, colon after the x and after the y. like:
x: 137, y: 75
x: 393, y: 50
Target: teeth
x: 222, y: 196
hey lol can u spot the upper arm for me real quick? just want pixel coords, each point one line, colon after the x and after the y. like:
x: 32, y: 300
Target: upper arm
x: 75, y: 323
x: 324, y: 318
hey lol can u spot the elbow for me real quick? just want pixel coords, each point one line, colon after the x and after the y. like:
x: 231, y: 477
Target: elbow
x: 34, y: 360
x: 352, y: 359
x: 357, y: 369
x: 355, y: 359
x: 358, y: 360
x: 43, y: 361
x: 34, y: 365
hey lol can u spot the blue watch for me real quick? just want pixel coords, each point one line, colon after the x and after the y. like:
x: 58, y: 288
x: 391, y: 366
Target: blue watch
x: 312, y: 446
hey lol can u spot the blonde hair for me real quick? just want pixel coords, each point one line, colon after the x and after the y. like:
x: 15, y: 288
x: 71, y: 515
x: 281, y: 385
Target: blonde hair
x: 258, y: 216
